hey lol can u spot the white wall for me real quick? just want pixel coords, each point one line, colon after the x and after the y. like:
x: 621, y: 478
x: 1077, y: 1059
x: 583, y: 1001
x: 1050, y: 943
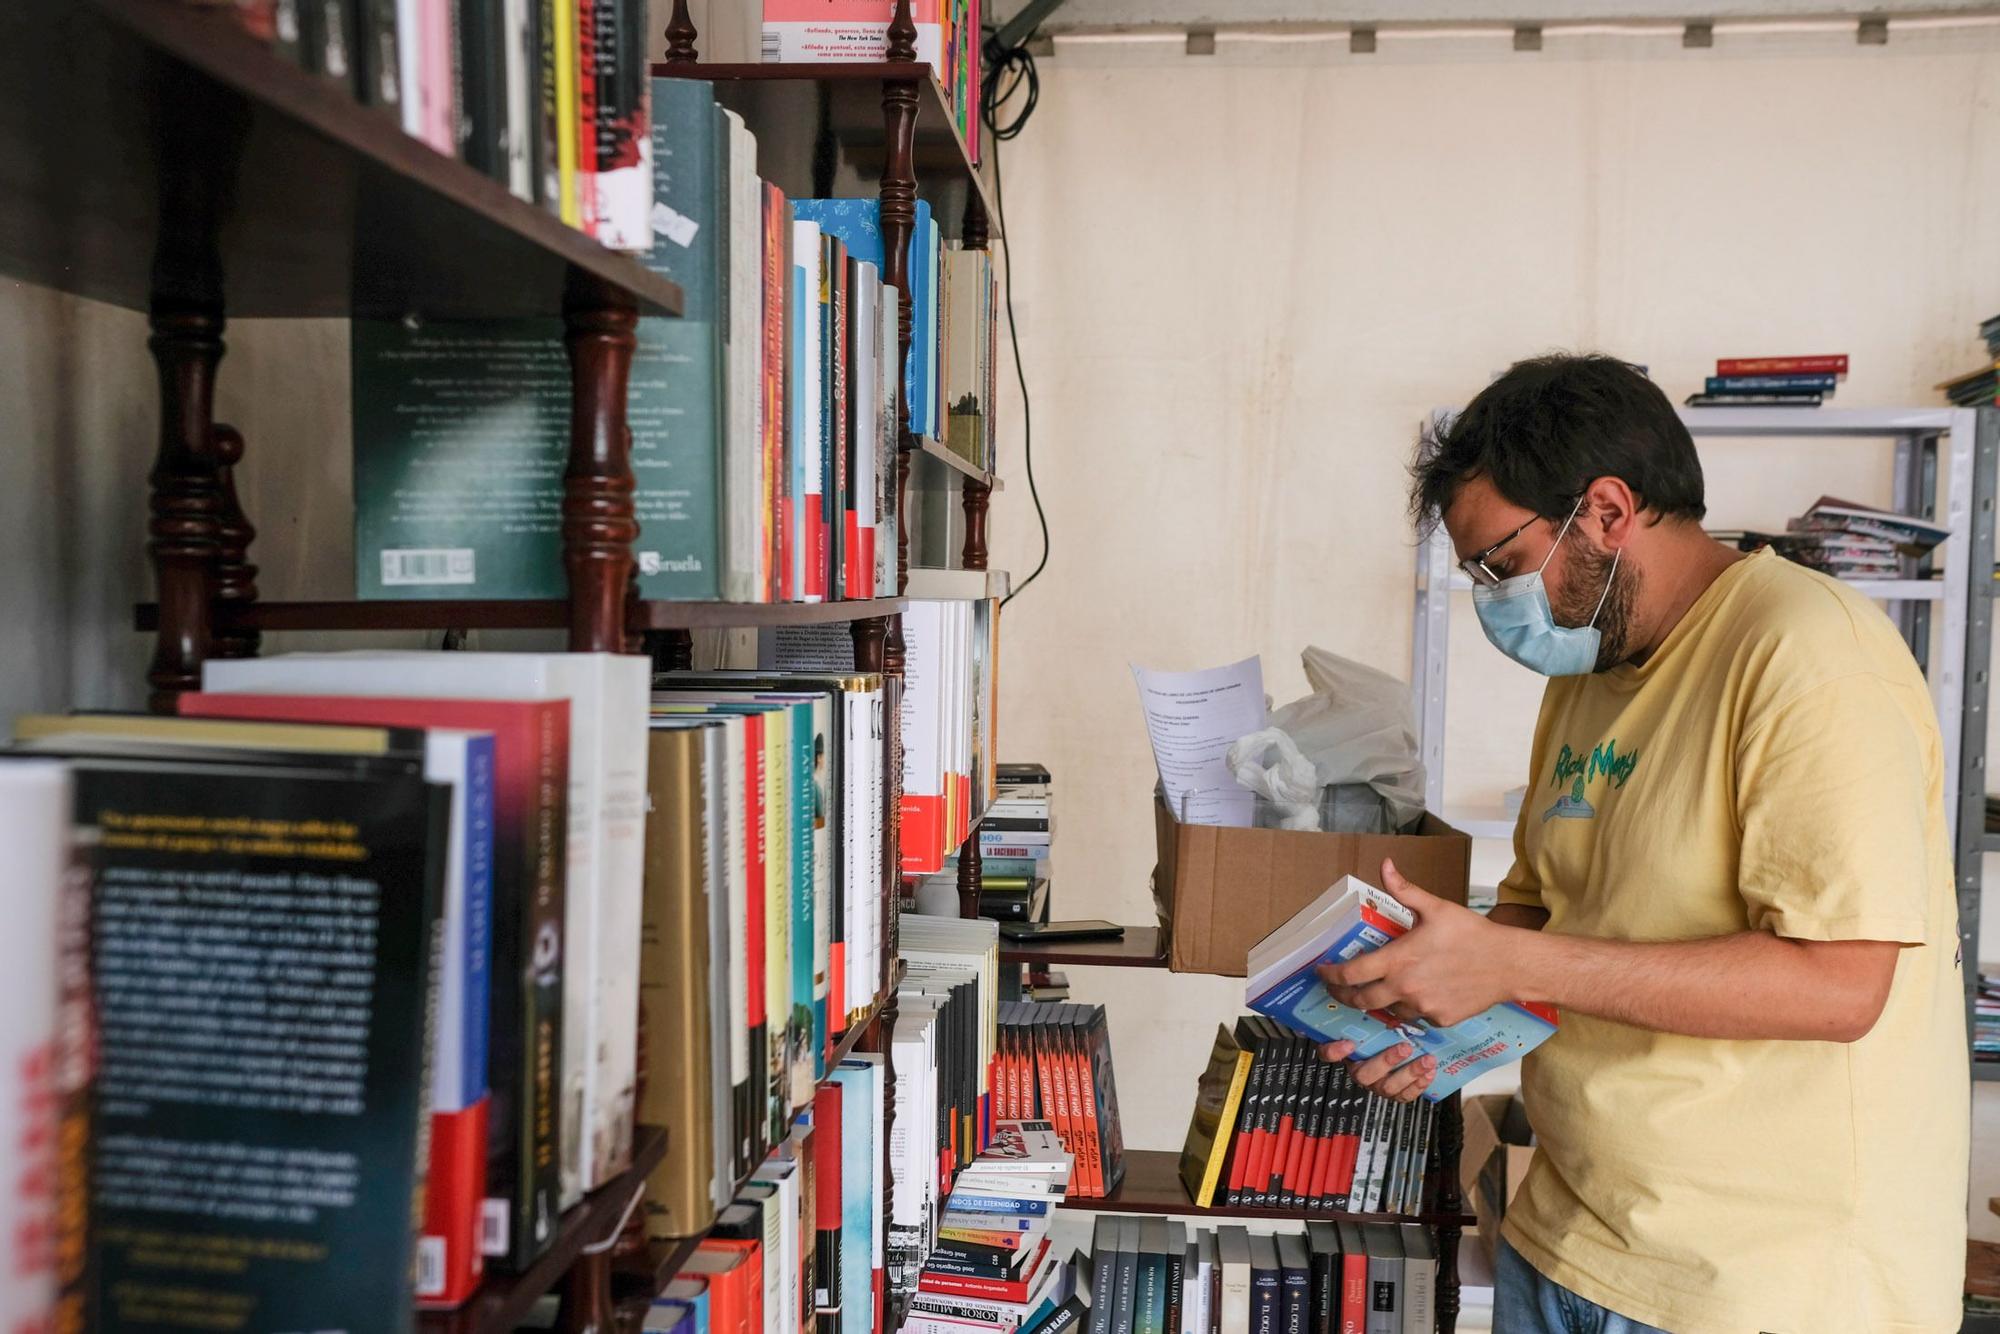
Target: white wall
x: 1241, y: 280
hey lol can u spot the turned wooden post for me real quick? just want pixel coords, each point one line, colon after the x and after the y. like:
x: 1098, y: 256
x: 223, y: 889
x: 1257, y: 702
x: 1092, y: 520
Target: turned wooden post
x: 586, y: 1306
x: 973, y: 499
x: 868, y: 635
x: 235, y: 576
x: 187, y: 496
x: 598, y: 526
x: 1451, y: 1142
x: 969, y: 877
x: 680, y: 36
x: 899, y: 219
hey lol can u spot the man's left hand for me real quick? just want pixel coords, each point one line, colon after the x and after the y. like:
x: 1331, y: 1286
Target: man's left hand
x: 1452, y: 965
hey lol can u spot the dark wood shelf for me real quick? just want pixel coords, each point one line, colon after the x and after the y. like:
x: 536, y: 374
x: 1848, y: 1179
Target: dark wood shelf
x: 1152, y: 1185
x: 932, y: 449
x: 503, y: 1300
x: 855, y: 112
x: 1139, y: 947
x: 154, y: 149
x: 540, y: 615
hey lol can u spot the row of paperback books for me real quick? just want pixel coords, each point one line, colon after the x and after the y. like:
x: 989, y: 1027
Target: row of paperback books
x: 1333, y: 1278
x: 993, y: 1267
x: 1055, y: 1066
x: 547, y: 97
x: 800, y: 1249
x: 1275, y: 1126
x: 1771, y: 382
x: 944, y: 1055
x: 764, y: 420
x: 948, y: 40
x: 1846, y: 540
x: 766, y: 870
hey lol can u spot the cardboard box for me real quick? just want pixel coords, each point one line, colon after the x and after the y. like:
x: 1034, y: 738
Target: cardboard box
x: 1492, y: 1164
x: 1219, y: 890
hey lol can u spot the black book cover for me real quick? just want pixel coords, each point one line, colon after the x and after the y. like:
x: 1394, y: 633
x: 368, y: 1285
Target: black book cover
x: 543, y: 155
x: 1294, y: 1289
x: 263, y: 943
x: 1313, y: 1123
x: 378, y: 68
x: 1066, y: 1317
x: 833, y: 414
x: 1176, y: 1272
x: 1103, y: 1264
x: 326, y: 38
x: 1323, y: 1257
x: 1280, y: 1116
x: 1249, y: 1123
x: 482, y: 88
x: 1265, y: 1286
x: 1104, y: 1095
x: 1300, y: 1156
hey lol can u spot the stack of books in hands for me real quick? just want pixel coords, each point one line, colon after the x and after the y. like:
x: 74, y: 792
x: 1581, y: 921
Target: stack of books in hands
x: 1364, y: 1278
x: 1771, y: 382
x: 992, y: 1267
x: 1351, y: 919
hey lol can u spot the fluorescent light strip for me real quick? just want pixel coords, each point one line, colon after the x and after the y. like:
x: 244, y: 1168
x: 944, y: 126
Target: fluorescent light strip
x: 1721, y: 27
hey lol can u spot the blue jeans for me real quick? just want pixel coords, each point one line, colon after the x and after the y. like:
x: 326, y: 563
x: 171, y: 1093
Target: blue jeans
x: 1526, y: 1303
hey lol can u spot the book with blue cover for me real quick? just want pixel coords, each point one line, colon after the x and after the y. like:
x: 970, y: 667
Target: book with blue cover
x: 859, y: 1089
x: 858, y: 225
x: 1353, y: 918
x: 1771, y: 384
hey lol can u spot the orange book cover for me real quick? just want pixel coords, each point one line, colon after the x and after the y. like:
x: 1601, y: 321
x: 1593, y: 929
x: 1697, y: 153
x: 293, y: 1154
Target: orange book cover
x: 1086, y: 1178
x: 735, y: 1275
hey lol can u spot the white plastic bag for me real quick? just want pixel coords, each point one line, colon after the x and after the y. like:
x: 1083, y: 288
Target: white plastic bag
x: 1355, y: 728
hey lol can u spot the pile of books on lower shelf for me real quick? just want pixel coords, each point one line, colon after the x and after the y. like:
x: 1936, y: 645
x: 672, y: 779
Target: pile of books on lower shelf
x: 1980, y: 388
x: 1275, y: 1126
x: 1055, y: 1065
x: 1845, y: 539
x: 1338, y: 1277
x: 993, y: 1266
x: 1771, y: 382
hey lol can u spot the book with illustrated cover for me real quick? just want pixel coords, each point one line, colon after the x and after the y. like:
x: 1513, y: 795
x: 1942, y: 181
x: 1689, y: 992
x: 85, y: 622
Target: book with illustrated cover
x: 1348, y: 920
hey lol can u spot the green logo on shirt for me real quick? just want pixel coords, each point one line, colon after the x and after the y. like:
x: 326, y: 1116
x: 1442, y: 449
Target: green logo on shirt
x: 1577, y: 771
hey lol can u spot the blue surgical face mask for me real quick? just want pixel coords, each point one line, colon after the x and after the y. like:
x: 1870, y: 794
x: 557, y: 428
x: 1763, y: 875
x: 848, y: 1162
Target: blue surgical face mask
x: 1516, y: 617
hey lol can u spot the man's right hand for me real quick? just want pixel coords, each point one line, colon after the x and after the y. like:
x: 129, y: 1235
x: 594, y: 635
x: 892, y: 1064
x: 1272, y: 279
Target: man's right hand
x: 1385, y: 1072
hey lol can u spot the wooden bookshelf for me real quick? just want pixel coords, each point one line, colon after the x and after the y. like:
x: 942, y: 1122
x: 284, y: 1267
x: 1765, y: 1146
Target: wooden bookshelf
x: 854, y: 110
x: 504, y: 1300
x: 548, y: 614
x: 1153, y: 1185
x: 1139, y: 947
x: 155, y: 152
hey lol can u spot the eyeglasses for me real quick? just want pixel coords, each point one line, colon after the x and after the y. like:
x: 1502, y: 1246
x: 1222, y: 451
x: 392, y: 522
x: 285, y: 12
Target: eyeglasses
x: 1476, y: 568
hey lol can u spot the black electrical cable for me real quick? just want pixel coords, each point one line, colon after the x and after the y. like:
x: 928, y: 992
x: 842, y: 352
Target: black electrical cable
x: 1020, y: 65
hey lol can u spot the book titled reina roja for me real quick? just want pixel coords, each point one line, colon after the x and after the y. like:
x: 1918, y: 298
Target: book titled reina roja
x: 1351, y: 919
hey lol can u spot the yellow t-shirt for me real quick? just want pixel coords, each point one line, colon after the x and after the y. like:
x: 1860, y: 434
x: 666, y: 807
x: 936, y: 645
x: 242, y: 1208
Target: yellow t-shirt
x: 1775, y: 766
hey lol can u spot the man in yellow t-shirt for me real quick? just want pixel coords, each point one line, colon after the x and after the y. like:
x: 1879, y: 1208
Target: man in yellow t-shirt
x: 1732, y: 875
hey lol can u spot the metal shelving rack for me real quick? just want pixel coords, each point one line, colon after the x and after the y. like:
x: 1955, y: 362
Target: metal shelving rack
x: 1946, y: 460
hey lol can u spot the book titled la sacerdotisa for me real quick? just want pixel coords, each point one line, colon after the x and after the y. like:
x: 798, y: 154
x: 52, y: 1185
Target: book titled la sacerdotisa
x: 1352, y: 919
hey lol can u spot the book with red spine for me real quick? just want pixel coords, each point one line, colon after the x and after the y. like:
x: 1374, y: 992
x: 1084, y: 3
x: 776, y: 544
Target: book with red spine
x: 1833, y: 364
x: 585, y: 46
x: 828, y: 1201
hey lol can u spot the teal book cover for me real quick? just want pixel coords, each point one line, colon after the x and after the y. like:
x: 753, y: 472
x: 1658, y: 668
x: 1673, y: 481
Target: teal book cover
x: 461, y: 428
x: 858, y: 1173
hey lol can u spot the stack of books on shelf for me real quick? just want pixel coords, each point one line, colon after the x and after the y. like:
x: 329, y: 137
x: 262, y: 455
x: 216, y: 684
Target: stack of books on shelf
x: 1986, y: 1020
x: 993, y: 1267
x: 1329, y: 1278
x: 1771, y: 382
x: 945, y: 1043
x: 547, y: 97
x: 1055, y: 1066
x: 1017, y: 835
x: 762, y: 943
x: 1980, y: 388
x: 1277, y: 1127
x: 828, y: 31
x: 1846, y: 540
x: 947, y: 710
x: 764, y: 419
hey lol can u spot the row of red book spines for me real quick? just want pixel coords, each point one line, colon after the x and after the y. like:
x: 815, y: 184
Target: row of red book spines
x: 1290, y: 1161
x: 1068, y: 1098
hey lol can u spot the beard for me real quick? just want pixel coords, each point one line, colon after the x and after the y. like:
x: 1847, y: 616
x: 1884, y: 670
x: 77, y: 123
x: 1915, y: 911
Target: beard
x: 1589, y: 574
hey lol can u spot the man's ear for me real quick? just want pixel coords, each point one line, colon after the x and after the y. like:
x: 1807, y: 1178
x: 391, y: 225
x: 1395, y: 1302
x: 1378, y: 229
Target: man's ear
x: 1610, y: 512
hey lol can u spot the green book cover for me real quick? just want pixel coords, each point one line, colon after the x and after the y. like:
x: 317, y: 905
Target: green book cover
x: 461, y: 428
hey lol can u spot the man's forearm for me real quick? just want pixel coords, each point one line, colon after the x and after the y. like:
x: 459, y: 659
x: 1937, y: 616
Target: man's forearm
x: 1750, y: 985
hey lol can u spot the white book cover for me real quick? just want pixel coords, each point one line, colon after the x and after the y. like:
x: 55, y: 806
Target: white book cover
x: 716, y: 785
x: 608, y: 696
x: 866, y: 386
x: 410, y: 66
x: 782, y: 1174
x: 463, y: 762
x: 889, y: 363
x: 746, y: 560
x: 909, y: 1146
x: 808, y: 408
x: 859, y: 981
x: 879, y: 1109
x: 923, y: 742
x: 518, y: 64
x: 1232, y: 1248
x: 36, y: 814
